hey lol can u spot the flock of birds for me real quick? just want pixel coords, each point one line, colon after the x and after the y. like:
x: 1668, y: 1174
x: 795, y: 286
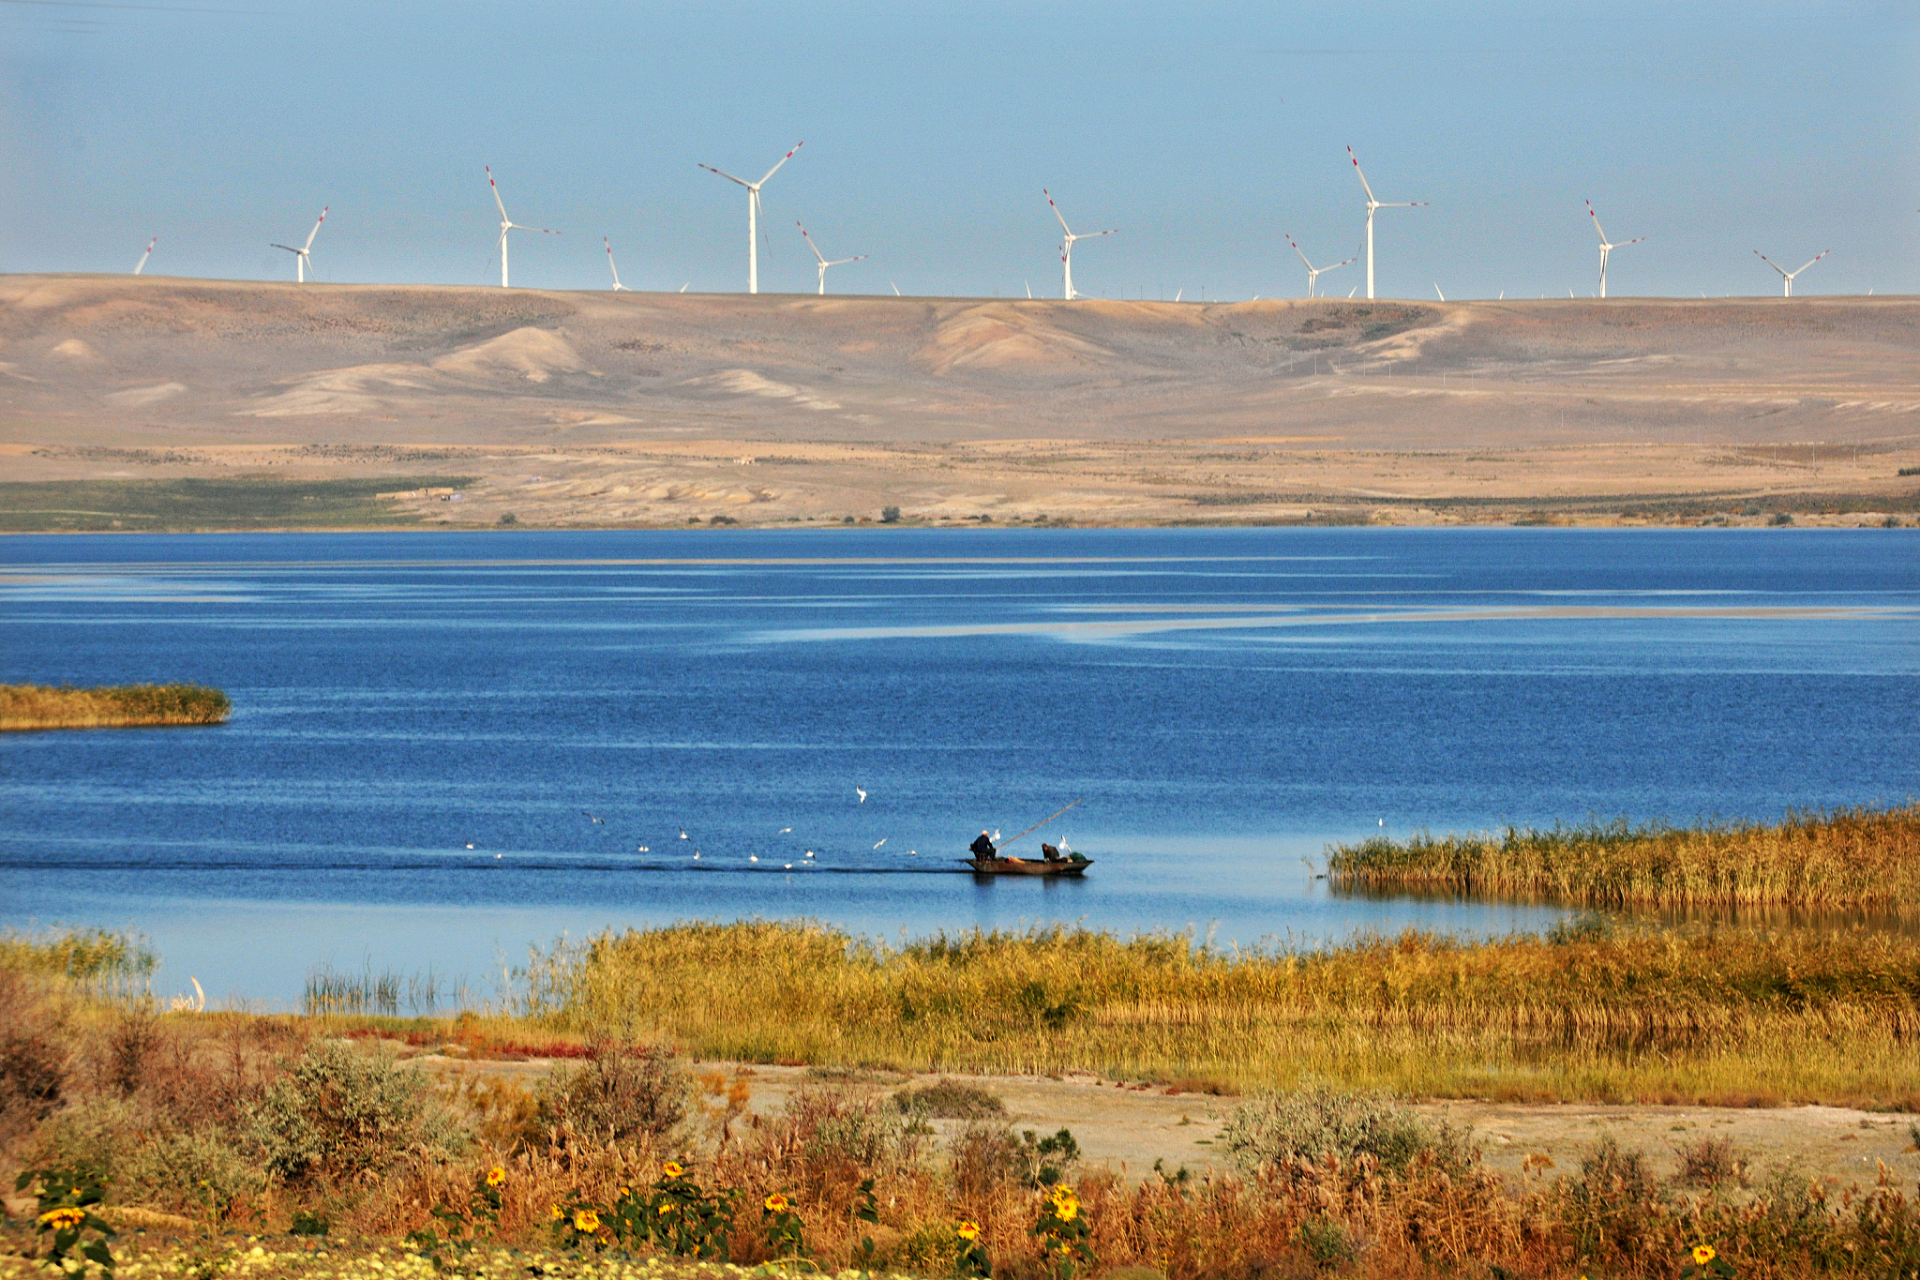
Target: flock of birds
x: 806, y: 859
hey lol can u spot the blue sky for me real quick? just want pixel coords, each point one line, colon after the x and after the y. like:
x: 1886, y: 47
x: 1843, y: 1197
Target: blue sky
x: 1201, y: 131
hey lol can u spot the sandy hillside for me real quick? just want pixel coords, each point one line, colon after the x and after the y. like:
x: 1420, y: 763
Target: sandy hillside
x: 653, y: 408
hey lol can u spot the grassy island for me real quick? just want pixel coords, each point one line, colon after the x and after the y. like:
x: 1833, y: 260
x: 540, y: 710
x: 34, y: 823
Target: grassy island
x: 31, y: 706
x: 1846, y: 859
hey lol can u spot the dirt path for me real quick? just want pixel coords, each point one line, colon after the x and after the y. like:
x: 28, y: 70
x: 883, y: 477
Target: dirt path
x: 1128, y: 1127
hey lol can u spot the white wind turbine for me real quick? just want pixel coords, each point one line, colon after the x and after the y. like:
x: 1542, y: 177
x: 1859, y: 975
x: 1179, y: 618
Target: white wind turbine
x: 1606, y: 248
x: 1786, y: 276
x: 824, y: 264
x: 142, y: 264
x: 1066, y: 245
x: 1373, y: 204
x: 617, y: 286
x: 753, y: 213
x: 300, y: 255
x: 507, y: 224
x: 1314, y: 273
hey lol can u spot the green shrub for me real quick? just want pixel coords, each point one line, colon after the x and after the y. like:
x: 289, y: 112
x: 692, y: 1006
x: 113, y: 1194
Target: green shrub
x: 950, y: 1100
x: 1277, y: 1130
x: 339, y: 1115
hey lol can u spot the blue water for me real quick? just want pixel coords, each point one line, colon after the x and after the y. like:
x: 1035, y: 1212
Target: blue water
x: 1226, y: 701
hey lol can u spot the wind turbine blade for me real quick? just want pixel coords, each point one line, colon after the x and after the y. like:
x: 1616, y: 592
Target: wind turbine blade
x: 495, y: 188
x: 1343, y: 262
x: 1088, y: 235
x: 289, y: 248
x: 729, y: 177
x: 776, y: 166
x: 1056, y: 212
x: 841, y: 262
x: 1770, y: 262
x: 811, y: 245
x: 896, y: 289
x: 1810, y: 261
x: 1596, y: 222
x: 1298, y: 250
x: 142, y: 264
x: 1436, y: 289
x: 316, y: 227
x: 1363, y: 175
x: 1635, y: 240
x: 1400, y: 204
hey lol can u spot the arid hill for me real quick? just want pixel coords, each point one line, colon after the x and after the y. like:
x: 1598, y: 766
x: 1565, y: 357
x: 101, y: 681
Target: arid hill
x: 651, y: 408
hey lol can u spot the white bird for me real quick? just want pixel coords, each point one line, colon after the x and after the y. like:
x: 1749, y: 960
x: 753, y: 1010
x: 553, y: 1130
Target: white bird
x: 469, y: 844
x: 862, y: 793
x: 696, y: 855
x: 789, y: 866
x: 640, y: 848
x: 883, y: 840
x: 809, y: 853
x: 496, y: 857
x: 753, y: 857
x: 683, y: 833
x: 600, y: 821
x: 913, y: 853
x: 1383, y: 822
x: 783, y: 831
x: 996, y: 835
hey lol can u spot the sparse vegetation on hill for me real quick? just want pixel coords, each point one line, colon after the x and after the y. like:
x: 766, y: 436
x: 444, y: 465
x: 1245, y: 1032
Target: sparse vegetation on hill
x: 1853, y: 858
x: 30, y: 706
x: 96, y: 506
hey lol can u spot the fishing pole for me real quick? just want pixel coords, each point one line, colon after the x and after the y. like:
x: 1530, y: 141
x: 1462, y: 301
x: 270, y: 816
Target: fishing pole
x: 1036, y: 826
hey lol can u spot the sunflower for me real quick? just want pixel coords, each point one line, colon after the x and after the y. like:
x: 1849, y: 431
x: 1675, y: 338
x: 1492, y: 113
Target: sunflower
x: 673, y: 1169
x: 586, y: 1221
x: 1703, y: 1254
x: 59, y: 1219
x: 968, y: 1231
x: 776, y: 1203
x: 496, y: 1176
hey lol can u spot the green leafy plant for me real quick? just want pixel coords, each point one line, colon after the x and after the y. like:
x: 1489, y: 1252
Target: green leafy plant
x: 1703, y: 1260
x: 866, y: 1208
x: 64, y: 1200
x: 680, y: 1216
x: 972, y: 1263
x: 786, y: 1237
x: 1064, y: 1233
x: 463, y: 1224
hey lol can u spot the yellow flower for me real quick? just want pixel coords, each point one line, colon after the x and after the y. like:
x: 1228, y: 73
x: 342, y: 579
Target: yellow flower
x: 1067, y: 1210
x: 776, y: 1203
x: 62, y: 1218
x: 664, y: 1208
x: 1703, y: 1254
x: 673, y: 1169
x: 586, y: 1221
x: 496, y: 1176
x: 968, y: 1231
x: 557, y: 1214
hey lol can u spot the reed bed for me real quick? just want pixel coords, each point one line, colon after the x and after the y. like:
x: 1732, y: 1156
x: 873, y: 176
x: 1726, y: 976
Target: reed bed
x: 1698, y: 1015
x: 1845, y: 858
x: 31, y: 706
x: 95, y: 963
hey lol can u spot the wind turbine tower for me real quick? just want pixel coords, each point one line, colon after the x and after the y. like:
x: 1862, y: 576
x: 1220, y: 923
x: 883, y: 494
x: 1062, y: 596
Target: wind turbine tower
x: 300, y: 255
x: 824, y: 264
x: 1606, y: 248
x: 142, y: 264
x: 1066, y: 245
x: 1314, y: 273
x: 1786, y: 276
x: 507, y: 224
x: 1373, y: 204
x: 617, y: 286
x: 753, y: 213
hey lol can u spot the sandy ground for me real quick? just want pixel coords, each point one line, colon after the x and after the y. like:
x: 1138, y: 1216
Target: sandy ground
x: 649, y: 409
x: 1127, y: 1127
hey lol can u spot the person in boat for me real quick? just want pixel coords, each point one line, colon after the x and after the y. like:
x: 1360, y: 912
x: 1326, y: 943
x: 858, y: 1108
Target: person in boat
x: 982, y: 847
x: 1050, y: 852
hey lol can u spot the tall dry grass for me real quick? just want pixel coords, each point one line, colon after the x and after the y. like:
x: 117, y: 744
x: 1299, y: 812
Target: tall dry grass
x: 32, y: 706
x: 1708, y: 1015
x: 1847, y: 858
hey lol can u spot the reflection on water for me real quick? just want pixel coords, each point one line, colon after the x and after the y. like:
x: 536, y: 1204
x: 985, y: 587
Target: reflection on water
x: 427, y: 725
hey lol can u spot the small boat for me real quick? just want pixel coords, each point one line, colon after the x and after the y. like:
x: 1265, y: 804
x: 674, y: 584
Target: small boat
x: 1070, y: 865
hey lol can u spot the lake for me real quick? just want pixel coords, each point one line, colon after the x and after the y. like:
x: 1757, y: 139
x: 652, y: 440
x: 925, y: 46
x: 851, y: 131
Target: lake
x: 427, y: 725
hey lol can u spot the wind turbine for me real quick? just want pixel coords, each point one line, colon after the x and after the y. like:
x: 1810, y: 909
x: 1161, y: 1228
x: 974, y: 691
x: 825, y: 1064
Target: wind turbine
x: 1066, y: 245
x: 617, y: 286
x: 753, y: 213
x: 824, y: 264
x: 142, y: 264
x: 1314, y: 273
x: 1786, y: 276
x: 507, y: 224
x: 1606, y: 248
x: 300, y: 255
x: 1373, y: 204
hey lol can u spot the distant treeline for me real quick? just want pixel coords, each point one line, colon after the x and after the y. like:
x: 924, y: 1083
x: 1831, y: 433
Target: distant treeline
x: 32, y: 706
x: 1848, y: 858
